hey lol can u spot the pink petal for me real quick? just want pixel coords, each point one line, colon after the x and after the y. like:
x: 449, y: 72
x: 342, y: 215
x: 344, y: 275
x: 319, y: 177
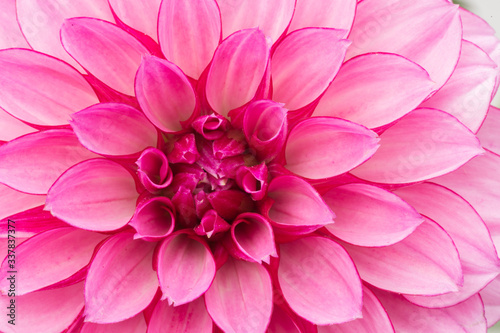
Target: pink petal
x: 173, y: 103
x: 10, y: 32
x: 296, y: 206
x: 13, y: 202
x: 50, y: 257
x: 140, y: 15
x: 211, y: 224
x: 30, y: 222
x: 154, y: 219
x: 154, y: 171
x: 424, y: 263
x: 478, y: 256
x: 190, y: 317
x: 297, y: 81
x: 33, y: 162
x: 281, y: 322
x: 97, y: 195
x: 424, y: 144
x: 348, y: 145
x: 121, y: 281
x: 50, y: 311
x: 240, y: 298
x: 265, y: 127
x: 41, y: 21
x: 488, y: 133
x: 467, y: 316
x: 184, y: 150
x: 468, y: 92
x: 427, y: 32
x: 319, y: 281
x: 253, y: 180
x: 481, y: 190
x: 272, y: 17
x: 375, y: 77
x: 41, y: 90
x: 491, y: 299
x: 338, y: 14
x: 113, y: 129
x: 114, y: 56
x: 136, y: 324
x: 189, y: 32
x: 186, y: 268
x: 237, y: 70
x: 11, y: 128
x: 252, y: 238
x: 374, y: 320
x: 370, y: 216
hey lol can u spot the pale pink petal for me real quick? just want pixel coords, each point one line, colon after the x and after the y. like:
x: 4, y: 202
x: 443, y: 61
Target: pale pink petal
x: 468, y: 92
x: 186, y: 268
x: 136, y: 324
x: 97, y: 195
x: 252, y: 238
x: 237, y: 70
x: 488, y: 133
x: 281, y: 322
x: 41, y: 20
x: 427, y: 32
x: 50, y: 257
x: 240, y: 298
x: 272, y: 17
x: 40, y: 89
x: 114, y: 56
x: 399, y: 267
x: 296, y: 206
x: 121, y: 281
x: 13, y: 202
x: 370, y: 216
x: 154, y: 219
x: 466, y: 317
x: 113, y: 129
x: 478, y: 256
x: 298, y: 80
x: 33, y: 162
x: 374, y: 320
x: 11, y: 128
x: 173, y: 103
x: 10, y: 33
x: 481, y: 190
x: 319, y: 281
x: 190, y: 317
x: 323, y: 147
x: 189, y: 32
x: 375, y: 89
x: 338, y: 14
x: 50, y: 311
x: 425, y: 143
x: 491, y: 299
x: 479, y: 32
x: 140, y: 15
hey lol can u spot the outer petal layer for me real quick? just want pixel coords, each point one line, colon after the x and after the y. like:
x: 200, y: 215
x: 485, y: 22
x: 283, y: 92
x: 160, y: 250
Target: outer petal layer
x: 121, y: 281
x: 41, y: 90
x: 424, y: 144
x: 324, y: 147
x: 375, y: 89
x: 370, y: 216
x: 399, y: 267
x: 97, y: 195
x: 488, y: 133
x: 240, y: 298
x: 297, y: 79
x: 136, y: 324
x: 114, y: 56
x: 140, y: 15
x: 13, y: 202
x: 319, y: 281
x: 33, y: 162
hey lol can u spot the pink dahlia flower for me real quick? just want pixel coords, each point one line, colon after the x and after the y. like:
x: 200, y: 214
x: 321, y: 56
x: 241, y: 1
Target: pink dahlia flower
x: 248, y: 166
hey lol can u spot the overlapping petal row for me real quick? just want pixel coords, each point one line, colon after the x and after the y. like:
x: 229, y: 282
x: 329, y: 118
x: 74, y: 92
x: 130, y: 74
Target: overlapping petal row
x: 249, y: 166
